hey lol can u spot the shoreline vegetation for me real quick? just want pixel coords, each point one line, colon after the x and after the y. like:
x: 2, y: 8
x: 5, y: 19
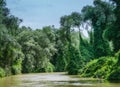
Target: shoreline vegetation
x: 24, y: 50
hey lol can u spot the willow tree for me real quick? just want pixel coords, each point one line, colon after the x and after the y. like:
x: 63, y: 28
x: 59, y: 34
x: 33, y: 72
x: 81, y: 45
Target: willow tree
x: 38, y: 51
x: 100, y: 15
x: 69, y: 23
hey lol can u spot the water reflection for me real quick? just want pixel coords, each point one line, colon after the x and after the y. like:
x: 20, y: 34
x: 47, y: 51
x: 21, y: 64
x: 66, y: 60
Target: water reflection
x: 52, y: 80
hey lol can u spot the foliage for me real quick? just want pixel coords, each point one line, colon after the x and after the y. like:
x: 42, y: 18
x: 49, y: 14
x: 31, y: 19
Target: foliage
x: 23, y: 49
x: 100, y: 15
x: 17, y: 67
x: 86, y: 50
x: 115, y: 31
x: 2, y: 72
x: 10, y: 51
x: 37, y: 54
x: 99, y: 68
x: 115, y: 74
x: 49, y: 67
x: 60, y: 59
x: 76, y: 62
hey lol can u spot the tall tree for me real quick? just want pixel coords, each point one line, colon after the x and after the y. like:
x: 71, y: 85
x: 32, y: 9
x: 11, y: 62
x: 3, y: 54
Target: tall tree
x: 69, y: 23
x: 99, y: 15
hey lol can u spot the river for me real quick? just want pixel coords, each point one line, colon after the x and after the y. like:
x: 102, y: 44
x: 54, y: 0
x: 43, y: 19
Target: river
x: 52, y: 80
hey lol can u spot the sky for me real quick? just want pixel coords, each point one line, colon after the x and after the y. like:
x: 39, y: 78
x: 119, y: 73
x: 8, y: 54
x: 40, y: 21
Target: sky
x: 39, y: 13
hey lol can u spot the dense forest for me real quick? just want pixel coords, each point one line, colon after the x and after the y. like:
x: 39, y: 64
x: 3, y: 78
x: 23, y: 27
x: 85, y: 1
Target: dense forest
x: 64, y: 49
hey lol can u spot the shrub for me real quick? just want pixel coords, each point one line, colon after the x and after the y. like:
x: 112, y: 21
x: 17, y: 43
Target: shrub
x: 16, y: 67
x: 115, y: 74
x: 117, y: 55
x: 49, y: 68
x: 99, y: 68
x: 2, y: 72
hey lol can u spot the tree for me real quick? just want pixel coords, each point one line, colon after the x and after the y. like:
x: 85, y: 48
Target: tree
x: 60, y: 59
x: 100, y: 15
x: 77, y: 19
x: 37, y: 54
x: 113, y: 33
x: 12, y: 24
x: 11, y: 55
x: 3, y: 11
x: 76, y: 62
x: 69, y: 23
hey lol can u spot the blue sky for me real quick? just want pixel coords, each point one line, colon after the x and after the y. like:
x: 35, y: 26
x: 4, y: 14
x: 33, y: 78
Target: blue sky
x: 40, y: 13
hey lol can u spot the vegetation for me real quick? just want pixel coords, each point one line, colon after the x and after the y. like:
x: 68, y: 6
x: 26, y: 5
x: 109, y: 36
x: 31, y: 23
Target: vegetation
x: 115, y: 73
x: 2, y: 72
x: 99, y: 68
x: 24, y: 50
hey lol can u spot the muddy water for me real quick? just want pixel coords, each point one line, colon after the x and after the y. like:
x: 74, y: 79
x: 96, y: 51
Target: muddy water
x: 52, y: 80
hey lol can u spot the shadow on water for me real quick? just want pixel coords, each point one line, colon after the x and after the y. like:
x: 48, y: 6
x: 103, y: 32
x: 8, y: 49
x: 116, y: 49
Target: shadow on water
x: 52, y: 80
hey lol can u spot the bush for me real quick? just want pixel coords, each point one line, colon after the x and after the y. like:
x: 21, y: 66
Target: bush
x: 117, y: 55
x: 16, y: 67
x: 73, y: 68
x: 115, y: 74
x: 49, y: 68
x: 2, y: 72
x: 99, y: 68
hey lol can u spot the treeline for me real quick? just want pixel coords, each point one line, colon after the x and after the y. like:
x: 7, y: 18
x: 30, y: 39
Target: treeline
x: 25, y: 50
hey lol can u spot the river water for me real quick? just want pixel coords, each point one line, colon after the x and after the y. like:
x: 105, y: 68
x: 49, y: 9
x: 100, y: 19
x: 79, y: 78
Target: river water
x: 52, y: 80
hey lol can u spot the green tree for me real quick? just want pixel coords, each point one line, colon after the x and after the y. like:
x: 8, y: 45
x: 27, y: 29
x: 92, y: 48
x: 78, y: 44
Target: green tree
x: 12, y: 24
x: 76, y: 62
x: 100, y: 15
x: 113, y: 32
x: 37, y: 54
x: 3, y: 11
x: 11, y: 55
x: 60, y: 59
x: 69, y: 23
